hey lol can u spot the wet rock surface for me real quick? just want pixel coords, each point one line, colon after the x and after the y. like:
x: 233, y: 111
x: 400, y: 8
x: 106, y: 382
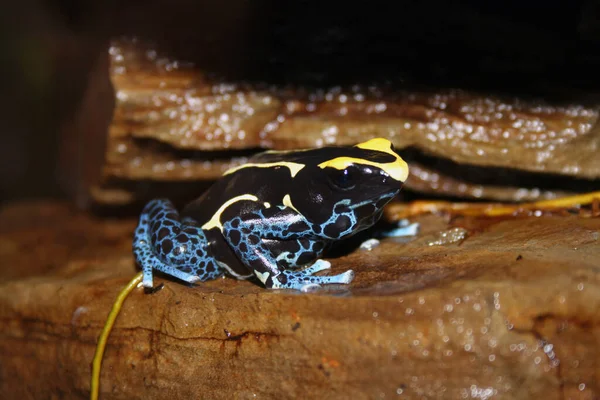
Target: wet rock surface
x: 469, y: 308
x: 175, y: 123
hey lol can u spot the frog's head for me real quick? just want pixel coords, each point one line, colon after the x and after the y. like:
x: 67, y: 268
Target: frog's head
x: 344, y: 189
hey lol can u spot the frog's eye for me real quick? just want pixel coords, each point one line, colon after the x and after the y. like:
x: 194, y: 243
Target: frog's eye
x: 346, y: 178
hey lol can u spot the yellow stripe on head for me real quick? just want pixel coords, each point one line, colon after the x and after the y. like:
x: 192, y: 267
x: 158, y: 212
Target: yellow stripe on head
x: 397, y: 169
x: 293, y: 167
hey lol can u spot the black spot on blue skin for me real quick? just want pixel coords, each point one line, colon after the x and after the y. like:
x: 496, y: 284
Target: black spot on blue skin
x: 235, y: 223
x: 299, y: 227
x: 210, y: 268
x: 168, y: 223
x: 243, y: 248
x: 194, y: 240
x: 253, y: 239
x: 141, y: 231
x: 166, y: 246
x: 182, y: 238
x: 199, y: 253
x: 316, y: 229
x: 305, y: 258
x: 171, y: 215
x: 331, y: 231
x: 154, y: 213
x: 193, y: 260
x: 282, y: 279
x: 293, y: 246
x: 234, y: 237
x: 340, y: 208
x: 343, y: 222
x: 246, y: 230
x: 163, y: 233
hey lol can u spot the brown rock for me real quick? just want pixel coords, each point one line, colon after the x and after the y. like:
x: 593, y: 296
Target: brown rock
x: 175, y: 103
x: 464, y: 127
x: 172, y: 123
x: 428, y: 180
x: 506, y: 308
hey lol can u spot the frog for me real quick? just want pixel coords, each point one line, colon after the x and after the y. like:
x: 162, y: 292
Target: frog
x: 273, y: 217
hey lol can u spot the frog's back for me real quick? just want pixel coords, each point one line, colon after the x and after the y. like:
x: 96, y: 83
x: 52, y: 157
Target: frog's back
x: 270, y: 176
x: 268, y: 185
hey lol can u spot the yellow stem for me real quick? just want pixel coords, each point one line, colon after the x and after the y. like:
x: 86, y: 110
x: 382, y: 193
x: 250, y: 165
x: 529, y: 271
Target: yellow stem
x: 492, y: 210
x: 110, y: 321
x: 568, y: 201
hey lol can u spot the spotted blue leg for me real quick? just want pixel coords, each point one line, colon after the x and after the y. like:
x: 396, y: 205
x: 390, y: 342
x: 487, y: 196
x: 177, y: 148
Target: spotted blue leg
x: 175, y: 248
x: 257, y: 236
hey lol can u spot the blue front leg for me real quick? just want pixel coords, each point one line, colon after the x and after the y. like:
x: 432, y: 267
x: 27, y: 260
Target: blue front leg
x: 255, y: 235
x: 164, y: 243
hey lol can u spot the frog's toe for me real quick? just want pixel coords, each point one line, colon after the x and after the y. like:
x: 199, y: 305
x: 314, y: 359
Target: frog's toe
x: 319, y: 265
x: 193, y: 279
x: 345, y: 277
x: 304, y: 280
x: 405, y: 228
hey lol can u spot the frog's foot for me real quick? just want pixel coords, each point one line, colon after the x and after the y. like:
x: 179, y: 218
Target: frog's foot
x: 150, y: 262
x: 405, y: 228
x: 304, y: 279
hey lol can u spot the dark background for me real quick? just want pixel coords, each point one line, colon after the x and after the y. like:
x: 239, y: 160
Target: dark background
x: 53, y: 79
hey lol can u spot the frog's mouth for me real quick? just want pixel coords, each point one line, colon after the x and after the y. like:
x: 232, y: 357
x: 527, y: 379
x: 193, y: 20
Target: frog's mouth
x: 377, y: 202
x: 386, y: 198
x: 365, y: 211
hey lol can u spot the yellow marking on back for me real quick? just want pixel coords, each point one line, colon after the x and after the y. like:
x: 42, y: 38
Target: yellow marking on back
x: 293, y: 167
x: 215, y: 221
x: 287, y: 201
x: 397, y: 169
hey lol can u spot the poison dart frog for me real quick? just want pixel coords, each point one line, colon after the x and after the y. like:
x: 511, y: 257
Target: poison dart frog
x: 273, y: 217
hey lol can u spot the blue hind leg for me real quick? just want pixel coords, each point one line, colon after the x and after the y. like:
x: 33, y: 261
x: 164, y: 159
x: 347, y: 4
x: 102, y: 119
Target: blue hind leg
x: 177, y: 249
